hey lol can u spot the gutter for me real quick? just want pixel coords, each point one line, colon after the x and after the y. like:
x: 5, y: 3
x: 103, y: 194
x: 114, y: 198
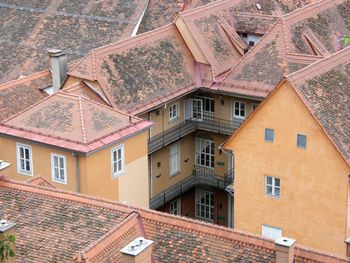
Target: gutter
x: 136, y: 29
x: 77, y: 175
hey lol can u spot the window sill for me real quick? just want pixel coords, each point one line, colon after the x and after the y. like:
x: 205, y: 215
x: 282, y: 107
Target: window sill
x: 272, y: 196
x: 175, y: 174
x: 59, y: 182
x: 173, y: 120
x: 24, y: 173
x: 115, y: 176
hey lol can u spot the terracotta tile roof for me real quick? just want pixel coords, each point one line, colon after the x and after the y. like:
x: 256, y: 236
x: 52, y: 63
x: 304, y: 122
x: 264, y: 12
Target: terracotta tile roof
x: 17, y: 95
x: 73, y: 122
x: 325, y: 88
x: 253, y: 23
x: 29, y: 28
x: 142, y: 71
x: 276, y: 55
x: 68, y: 227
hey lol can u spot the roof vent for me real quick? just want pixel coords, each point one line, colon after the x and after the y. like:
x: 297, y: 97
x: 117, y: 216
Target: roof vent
x: 139, y: 250
x: 258, y: 6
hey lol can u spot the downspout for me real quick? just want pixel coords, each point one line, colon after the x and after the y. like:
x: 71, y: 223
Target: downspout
x: 134, y: 32
x: 231, y: 195
x: 77, y: 176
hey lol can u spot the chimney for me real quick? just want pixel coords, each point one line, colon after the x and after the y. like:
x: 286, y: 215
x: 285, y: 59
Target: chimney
x: 138, y: 251
x: 58, y: 61
x: 284, y: 250
x: 7, y: 234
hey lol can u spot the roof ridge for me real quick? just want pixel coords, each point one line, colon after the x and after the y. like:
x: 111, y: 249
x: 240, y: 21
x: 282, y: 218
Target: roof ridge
x: 82, y: 121
x: 294, y: 76
x: 299, y: 11
x: 206, y: 6
x: 255, y: 14
x: 316, y: 252
x: 24, y: 79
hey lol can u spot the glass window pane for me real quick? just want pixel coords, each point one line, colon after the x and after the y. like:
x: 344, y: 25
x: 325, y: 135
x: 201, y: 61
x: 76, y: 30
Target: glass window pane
x: 269, y: 180
x: 269, y: 135
x: 301, y: 141
x: 61, y: 162
x: 277, y: 192
x: 269, y: 189
x: 277, y: 182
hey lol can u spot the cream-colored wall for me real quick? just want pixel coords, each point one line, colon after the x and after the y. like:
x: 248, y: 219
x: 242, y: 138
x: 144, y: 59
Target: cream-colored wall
x: 133, y: 188
x: 99, y: 171
x: 161, y: 179
x: 314, y: 181
x: 41, y: 158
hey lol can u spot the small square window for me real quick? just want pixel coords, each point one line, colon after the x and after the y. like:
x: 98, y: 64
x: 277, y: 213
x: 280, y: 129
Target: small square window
x: 272, y: 186
x: 301, y: 140
x: 269, y: 135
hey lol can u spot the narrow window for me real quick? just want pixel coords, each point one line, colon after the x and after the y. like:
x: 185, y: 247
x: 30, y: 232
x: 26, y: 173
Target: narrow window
x: 301, y: 141
x: 173, y: 111
x: 58, y: 168
x: 24, y: 159
x: 272, y: 186
x: 204, y: 205
x: 269, y: 135
x: 254, y: 106
x: 205, y: 152
x: 175, y: 207
x: 117, y: 161
x: 174, y: 159
x: 271, y: 232
x: 239, y: 109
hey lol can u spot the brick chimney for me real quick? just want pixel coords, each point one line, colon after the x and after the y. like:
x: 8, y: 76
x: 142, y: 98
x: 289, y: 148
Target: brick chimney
x: 138, y: 251
x: 284, y: 250
x: 7, y: 229
x: 58, y: 61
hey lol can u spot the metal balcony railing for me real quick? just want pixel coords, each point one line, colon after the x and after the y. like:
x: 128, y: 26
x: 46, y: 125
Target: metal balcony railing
x: 201, y: 176
x: 208, y: 123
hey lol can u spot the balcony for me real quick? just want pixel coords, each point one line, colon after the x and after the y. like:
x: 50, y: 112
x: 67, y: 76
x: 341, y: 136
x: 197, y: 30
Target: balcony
x: 208, y: 123
x: 200, y: 176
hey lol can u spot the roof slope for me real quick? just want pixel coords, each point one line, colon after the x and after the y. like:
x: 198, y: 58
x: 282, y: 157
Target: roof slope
x: 278, y: 53
x: 73, y: 119
x: 325, y: 89
x: 18, y: 95
x: 140, y: 71
x: 29, y: 28
x: 66, y: 225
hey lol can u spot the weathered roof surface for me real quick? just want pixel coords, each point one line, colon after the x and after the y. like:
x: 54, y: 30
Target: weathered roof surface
x: 29, y: 28
x: 276, y: 55
x: 253, y: 23
x: 66, y: 225
x: 73, y: 122
x: 325, y: 88
x: 142, y: 71
x: 18, y: 95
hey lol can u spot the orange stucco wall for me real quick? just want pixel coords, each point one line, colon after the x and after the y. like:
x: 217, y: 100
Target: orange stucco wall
x: 95, y: 172
x: 313, y: 205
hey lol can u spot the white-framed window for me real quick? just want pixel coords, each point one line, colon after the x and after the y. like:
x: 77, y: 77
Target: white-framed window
x: 24, y: 159
x: 271, y: 232
x: 301, y: 141
x: 117, y: 157
x: 254, y: 106
x: 205, y: 152
x: 272, y: 186
x: 174, y: 159
x: 239, y: 110
x: 58, y: 168
x: 204, y: 205
x: 174, y: 111
x: 269, y: 135
x: 175, y: 206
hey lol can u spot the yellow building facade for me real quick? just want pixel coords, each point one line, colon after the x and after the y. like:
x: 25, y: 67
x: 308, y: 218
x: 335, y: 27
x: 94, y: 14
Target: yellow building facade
x: 290, y: 190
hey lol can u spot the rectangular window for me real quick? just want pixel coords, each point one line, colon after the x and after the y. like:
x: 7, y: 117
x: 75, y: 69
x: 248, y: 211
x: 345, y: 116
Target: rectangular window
x: 301, y: 140
x: 208, y: 107
x: 58, y: 168
x: 204, y: 152
x: 197, y: 109
x: 272, y: 186
x: 269, y: 135
x: 175, y: 207
x: 117, y: 161
x: 271, y: 232
x: 239, y: 110
x: 254, y: 106
x: 173, y: 111
x: 24, y: 159
x: 174, y: 159
x: 204, y: 205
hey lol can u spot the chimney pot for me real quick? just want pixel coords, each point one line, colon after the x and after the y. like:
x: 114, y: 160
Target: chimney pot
x: 58, y: 61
